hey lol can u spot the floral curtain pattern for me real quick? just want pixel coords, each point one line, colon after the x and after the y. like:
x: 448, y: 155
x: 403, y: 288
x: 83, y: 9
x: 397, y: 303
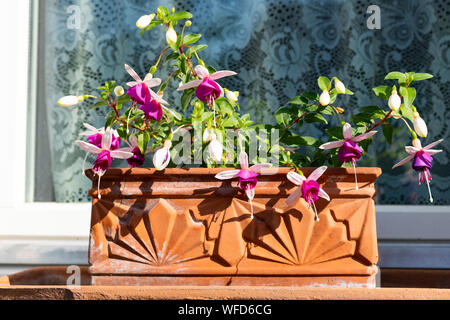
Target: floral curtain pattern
x: 278, y: 48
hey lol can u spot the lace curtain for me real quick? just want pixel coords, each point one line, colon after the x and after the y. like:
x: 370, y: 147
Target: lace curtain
x: 278, y: 48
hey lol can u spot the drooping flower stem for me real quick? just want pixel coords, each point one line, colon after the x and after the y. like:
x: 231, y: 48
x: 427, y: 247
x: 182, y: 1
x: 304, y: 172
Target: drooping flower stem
x: 160, y: 56
x: 315, y: 211
x: 428, y: 185
x: 354, y: 170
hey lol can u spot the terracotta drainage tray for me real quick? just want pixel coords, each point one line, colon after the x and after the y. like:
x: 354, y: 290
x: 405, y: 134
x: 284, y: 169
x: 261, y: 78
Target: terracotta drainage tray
x: 50, y: 283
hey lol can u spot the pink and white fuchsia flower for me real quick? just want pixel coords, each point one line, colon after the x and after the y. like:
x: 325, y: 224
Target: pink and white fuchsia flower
x: 349, y: 151
x: 161, y: 158
x: 308, y: 188
x: 95, y: 137
x: 138, y: 158
x: 104, y: 153
x: 247, y: 176
x: 422, y: 158
x: 150, y: 102
x: 207, y: 88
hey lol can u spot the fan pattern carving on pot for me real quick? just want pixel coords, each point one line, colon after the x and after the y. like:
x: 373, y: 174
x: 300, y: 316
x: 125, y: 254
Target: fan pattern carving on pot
x: 295, y: 238
x: 157, y: 236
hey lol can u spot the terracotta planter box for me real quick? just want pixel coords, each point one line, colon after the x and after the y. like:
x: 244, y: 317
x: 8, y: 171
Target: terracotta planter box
x: 184, y: 227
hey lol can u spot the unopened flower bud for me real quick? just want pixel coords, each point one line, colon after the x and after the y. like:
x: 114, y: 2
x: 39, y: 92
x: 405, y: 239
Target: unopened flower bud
x: 144, y: 21
x: 340, y: 87
x: 416, y: 143
x: 70, y: 101
x: 394, y: 101
x: 206, y: 135
x: 420, y: 127
x: 172, y: 11
x: 340, y: 110
x: 215, y: 148
x: 232, y: 95
x: 324, y: 98
x: 171, y: 35
x: 119, y: 91
x: 188, y: 23
x: 161, y: 158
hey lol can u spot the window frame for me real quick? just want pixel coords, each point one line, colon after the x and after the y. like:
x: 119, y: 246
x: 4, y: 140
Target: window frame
x: 405, y: 232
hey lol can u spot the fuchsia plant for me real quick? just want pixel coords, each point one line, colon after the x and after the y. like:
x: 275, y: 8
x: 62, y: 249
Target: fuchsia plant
x: 140, y: 118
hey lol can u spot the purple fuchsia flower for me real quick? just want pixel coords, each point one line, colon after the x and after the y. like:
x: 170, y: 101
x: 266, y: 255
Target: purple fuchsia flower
x: 152, y: 110
x: 140, y: 91
x: 207, y: 88
x: 95, y: 137
x: 349, y: 151
x: 308, y: 188
x: 105, y: 153
x: 138, y: 158
x: 141, y: 94
x: 422, y: 158
x: 247, y: 176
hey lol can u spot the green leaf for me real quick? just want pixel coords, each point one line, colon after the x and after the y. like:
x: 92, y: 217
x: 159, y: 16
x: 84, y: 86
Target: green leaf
x: 326, y: 110
x: 110, y: 119
x: 360, y: 119
x: 196, y: 48
x: 323, y: 83
x: 122, y: 131
x: 315, y: 117
x: 406, y: 112
x: 143, y: 138
x: 181, y: 15
x: 293, y: 141
x: 408, y: 94
x: 283, y: 116
x: 383, y: 92
x: 230, y: 122
x: 388, y: 131
x: 122, y: 100
x: 208, y: 115
x: 310, y: 96
x: 335, y: 132
x: 422, y: 76
x: 348, y: 91
x: 224, y: 106
x: 181, y: 64
x: 152, y: 24
x: 191, y: 38
x: 186, y: 98
x: 298, y: 100
x: 395, y: 75
x: 375, y: 111
x: 309, y: 107
x: 172, y: 56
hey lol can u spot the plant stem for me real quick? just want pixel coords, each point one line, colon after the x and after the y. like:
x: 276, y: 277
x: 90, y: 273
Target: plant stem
x: 380, y: 122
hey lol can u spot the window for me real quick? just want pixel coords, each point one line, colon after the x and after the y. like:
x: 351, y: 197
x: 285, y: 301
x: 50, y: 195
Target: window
x: 277, y: 47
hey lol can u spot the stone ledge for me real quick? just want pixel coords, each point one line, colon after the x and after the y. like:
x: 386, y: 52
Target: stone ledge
x: 217, y: 293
